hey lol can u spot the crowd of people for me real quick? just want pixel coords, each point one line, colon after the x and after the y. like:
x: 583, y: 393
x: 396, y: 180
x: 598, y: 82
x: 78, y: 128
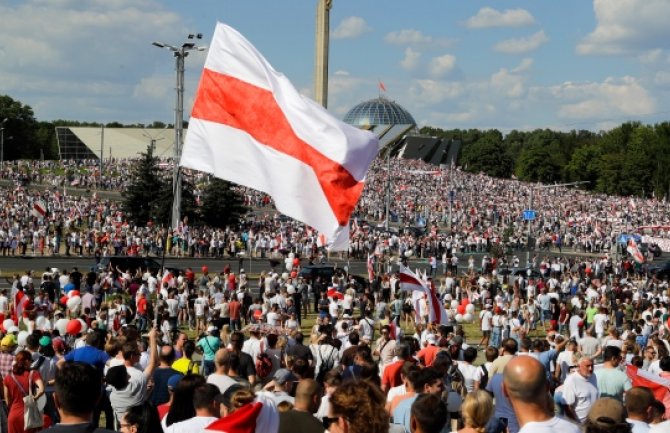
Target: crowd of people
x: 581, y: 346
x: 430, y: 210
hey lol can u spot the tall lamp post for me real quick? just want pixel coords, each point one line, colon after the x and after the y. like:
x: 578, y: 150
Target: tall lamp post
x: 2, y: 143
x: 180, y: 54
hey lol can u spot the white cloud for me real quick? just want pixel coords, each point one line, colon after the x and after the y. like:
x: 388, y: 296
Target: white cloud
x: 441, y: 65
x: 489, y: 17
x: 433, y: 91
x: 628, y: 26
x: 351, y: 27
x: 508, y: 84
x: 524, y: 66
x: 407, y: 37
x: 411, y: 59
x: 521, y: 45
x: 611, y: 98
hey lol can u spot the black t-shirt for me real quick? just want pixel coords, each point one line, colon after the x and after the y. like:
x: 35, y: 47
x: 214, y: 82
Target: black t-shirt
x: 160, y: 393
x: 247, y: 365
x: 300, y: 351
x: 297, y: 421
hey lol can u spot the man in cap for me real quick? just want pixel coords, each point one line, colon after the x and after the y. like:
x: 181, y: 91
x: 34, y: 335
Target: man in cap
x: 208, y: 345
x: 606, y: 414
x: 427, y: 355
x: 7, y: 346
x: 280, y: 386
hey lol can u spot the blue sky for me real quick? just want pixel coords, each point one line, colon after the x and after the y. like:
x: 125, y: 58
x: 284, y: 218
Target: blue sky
x: 506, y: 64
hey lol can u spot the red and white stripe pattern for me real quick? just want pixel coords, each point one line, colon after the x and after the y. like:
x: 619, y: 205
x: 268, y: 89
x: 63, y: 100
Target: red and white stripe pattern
x: 409, y: 281
x: 249, y: 125
x: 634, y: 251
x: 659, y: 386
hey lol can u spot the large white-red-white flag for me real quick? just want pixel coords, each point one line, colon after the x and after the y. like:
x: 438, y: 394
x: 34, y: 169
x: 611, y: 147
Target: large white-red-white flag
x: 659, y: 386
x: 634, y: 251
x: 410, y: 282
x: 249, y: 125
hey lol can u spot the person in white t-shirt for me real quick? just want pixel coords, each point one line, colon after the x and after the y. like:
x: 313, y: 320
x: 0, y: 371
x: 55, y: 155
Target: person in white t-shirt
x: 525, y: 385
x: 206, y: 411
x: 580, y: 390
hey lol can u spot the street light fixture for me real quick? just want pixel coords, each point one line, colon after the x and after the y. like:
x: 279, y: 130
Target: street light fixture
x: 180, y: 53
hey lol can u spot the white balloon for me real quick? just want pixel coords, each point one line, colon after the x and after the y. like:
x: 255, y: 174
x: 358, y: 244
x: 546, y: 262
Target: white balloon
x: 61, y: 325
x: 39, y: 322
x: 21, y: 338
x: 468, y: 318
x: 454, y: 304
x: 409, y: 253
x: 84, y: 326
x: 73, y: 302
x: 8, y: 323
x: 470, y: 309
x: 459, y: 318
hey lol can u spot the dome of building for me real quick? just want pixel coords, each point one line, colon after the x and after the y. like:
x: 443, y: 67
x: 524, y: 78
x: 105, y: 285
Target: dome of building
x: 378, y: 111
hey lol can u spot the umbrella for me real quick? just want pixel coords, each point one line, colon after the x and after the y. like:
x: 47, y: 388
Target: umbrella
x: 265, y: 329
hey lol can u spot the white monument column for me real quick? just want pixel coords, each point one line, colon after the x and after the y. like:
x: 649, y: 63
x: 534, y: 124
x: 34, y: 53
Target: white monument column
x: 321, y: 60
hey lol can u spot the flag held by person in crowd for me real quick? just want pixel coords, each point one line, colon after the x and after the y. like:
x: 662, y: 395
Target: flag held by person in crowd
x: 249, y: 125
x: 659, y: 386
x: 371, y: 267
x: 410, y: 282
x: 634, y: 251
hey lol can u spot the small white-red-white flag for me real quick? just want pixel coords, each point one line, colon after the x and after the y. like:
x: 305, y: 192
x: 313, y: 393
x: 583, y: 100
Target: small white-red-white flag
x: 249, y: 125
x: 409, y: 281
x: 39, y: 209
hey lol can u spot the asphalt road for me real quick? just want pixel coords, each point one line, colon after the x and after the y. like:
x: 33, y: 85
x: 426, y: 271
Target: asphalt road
x: 251, y: 266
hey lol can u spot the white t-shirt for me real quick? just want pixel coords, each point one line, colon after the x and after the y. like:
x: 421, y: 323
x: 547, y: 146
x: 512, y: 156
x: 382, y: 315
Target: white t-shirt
x: 191, y: 425
x: 580, y: 393
x: 554, y: 425
x: 486, y: 317
x: 469, y: 373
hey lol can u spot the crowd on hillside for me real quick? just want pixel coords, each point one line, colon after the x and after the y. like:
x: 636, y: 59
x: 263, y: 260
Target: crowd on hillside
x: 431, y: 211
x: 581, y: 346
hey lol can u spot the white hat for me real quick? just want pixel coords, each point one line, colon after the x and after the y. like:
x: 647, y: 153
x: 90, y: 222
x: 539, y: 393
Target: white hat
x: 212, y: 328
x: 431, y: 339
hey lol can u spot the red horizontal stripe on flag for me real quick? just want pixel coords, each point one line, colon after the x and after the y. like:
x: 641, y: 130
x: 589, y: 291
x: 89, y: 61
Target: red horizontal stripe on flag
x: 404, y: 278
x: 238, y: 104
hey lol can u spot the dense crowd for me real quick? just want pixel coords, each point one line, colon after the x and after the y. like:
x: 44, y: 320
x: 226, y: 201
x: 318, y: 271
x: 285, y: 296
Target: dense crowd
x: 430, y: 211
x: 581, y: 346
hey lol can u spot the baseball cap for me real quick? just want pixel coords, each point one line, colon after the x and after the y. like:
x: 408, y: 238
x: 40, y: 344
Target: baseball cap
x: 607, y: 412
x: 283, y: 375
x: 173, y: 380
x: 9, y: 340
x: 212, y: 328
x: 431, y: 339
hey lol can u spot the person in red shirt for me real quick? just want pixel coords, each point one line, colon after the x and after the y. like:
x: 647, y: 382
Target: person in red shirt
x: 391, y: 376
x: 142, y: 312
x: 234, y: 309
x: 427, y: 355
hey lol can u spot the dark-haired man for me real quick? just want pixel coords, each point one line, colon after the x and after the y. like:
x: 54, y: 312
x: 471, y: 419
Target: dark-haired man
x: 78, y: 390
x: 428, y: 414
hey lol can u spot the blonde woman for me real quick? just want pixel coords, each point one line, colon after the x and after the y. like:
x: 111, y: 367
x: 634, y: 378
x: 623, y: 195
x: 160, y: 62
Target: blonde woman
x: 477, y: 409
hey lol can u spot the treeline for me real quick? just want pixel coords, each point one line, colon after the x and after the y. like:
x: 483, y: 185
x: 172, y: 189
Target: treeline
x: 632, y: 159
x: 24, y: 137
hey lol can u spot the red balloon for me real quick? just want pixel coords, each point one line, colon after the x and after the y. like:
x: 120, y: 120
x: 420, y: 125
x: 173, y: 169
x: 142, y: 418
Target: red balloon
x: 461, y: 309
x: 205, y: 269
x: 294, y: 274
x: 465, y: 301
x: 73, y: 327
x: 296, y: 261
x: 63, y: 300
x: 73, y: 293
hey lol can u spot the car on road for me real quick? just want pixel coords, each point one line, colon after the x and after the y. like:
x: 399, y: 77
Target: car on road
x: 660, y: 271
x: 311, y: 272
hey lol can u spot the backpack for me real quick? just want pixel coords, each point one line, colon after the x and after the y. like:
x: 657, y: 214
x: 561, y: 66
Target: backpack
x: 457, y: 381
x: 326, y: 364
x: 485, y: 377
x: 263, y: 364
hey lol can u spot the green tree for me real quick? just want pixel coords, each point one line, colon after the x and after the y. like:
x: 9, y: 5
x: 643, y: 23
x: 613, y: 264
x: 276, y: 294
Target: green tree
x: 141, y: 197
x: 164, y: 199
x: 20, y: 140
x: 222, y: 206
x: 487, y: 155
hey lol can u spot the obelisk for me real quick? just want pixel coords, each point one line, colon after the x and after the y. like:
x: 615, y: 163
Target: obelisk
x: 321, y: 60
